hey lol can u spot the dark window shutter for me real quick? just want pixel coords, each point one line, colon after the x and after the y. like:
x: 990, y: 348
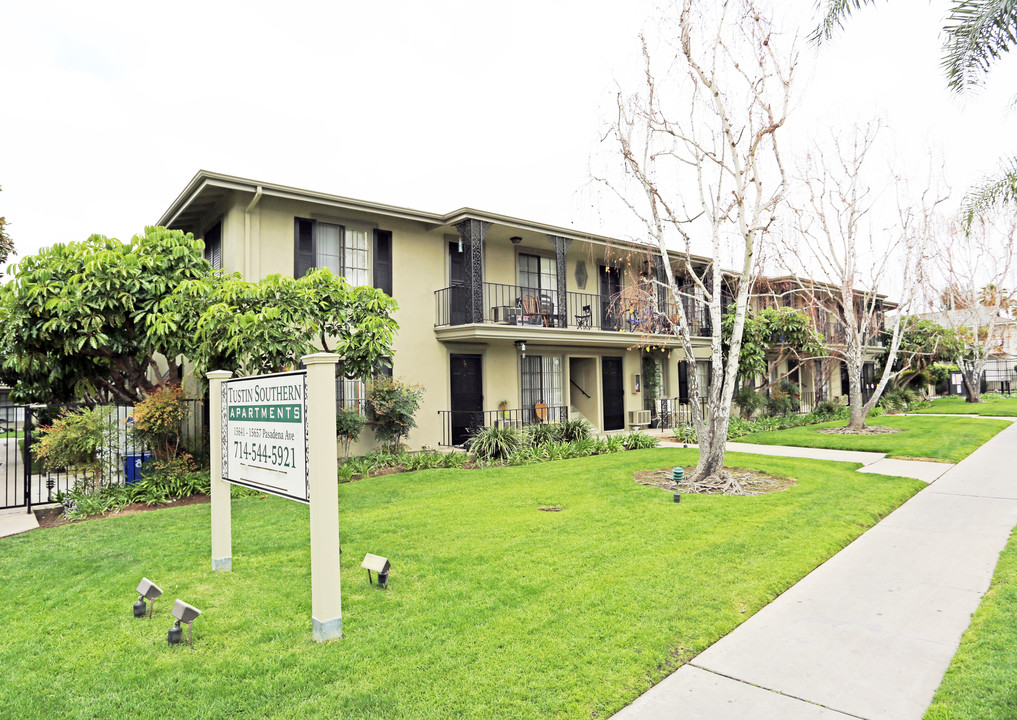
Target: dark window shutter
x: 683, y: 381
x: 213, y: 245
x: 383, y: 261
x: 303, y: 246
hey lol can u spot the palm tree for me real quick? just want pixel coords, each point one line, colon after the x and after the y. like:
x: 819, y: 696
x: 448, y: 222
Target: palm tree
x: 976, y: 34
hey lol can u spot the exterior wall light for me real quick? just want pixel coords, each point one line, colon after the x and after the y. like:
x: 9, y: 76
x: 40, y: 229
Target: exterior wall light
x: 521, y: 347
x: 183, y: 613
x: 516, y: 239
x: 146, y: 590
x: 379, y: 565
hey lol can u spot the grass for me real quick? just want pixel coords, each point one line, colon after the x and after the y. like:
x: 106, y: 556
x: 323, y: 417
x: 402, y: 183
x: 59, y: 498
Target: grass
x: 495, y: 608
x: 1003, y: 406
x: 945, y: 439
x: 981, y: 681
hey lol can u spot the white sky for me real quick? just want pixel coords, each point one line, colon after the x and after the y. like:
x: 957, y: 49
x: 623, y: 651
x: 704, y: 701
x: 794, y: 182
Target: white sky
x: 108, y: 109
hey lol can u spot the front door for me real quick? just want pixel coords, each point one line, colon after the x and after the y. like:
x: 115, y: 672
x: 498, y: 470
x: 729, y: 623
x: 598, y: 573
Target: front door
x: 614, y: 394
x: 467, y: 397
x: 610, y: 287
x: 457, y: 291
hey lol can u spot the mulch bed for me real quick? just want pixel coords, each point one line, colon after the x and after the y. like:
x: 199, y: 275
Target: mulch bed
x: 51, y: 516
x: 868, y: 430
x: 754, y: 482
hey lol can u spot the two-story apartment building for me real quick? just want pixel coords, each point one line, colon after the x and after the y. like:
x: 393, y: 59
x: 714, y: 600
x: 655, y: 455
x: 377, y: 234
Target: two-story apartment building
x: 501, y: 319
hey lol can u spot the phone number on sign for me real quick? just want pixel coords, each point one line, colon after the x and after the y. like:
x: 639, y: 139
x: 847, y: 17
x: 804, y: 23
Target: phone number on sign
x: 277, y: 455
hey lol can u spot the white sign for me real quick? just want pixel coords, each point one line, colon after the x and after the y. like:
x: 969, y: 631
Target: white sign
x: 264, y: 434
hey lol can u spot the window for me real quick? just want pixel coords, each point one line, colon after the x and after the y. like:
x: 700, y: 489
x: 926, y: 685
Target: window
x: 213, y: 245
x: 542, y: 380
x: 538, y: 273
x: 350, y: 394
x: 343, y: 249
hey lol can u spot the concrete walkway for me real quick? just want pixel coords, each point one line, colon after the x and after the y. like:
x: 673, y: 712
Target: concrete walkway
x: 872, y: 462
x: 15, y: 521
x: 869, y: 633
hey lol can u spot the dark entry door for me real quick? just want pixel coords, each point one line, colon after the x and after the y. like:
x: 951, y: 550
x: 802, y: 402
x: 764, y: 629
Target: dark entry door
x: 457, y: 292
x: 614, y: 394
x: 467, y: 397
x: 610, y: 286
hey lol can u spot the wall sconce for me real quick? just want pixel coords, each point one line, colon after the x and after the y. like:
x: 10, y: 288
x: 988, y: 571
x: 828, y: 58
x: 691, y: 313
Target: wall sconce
x: 521, y: 346
x: 516, y: 239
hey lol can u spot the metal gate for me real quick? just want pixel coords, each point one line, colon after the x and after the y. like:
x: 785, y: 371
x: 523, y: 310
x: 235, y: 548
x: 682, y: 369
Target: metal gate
x: 24, y: 482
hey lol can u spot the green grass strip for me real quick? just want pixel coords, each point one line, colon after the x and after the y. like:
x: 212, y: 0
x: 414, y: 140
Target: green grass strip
x: 946, y: 439
x: 981, y: 681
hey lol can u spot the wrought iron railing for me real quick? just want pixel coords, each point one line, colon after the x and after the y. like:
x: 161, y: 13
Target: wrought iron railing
x: 520, y: 305
x: 458, y: 426
x: 677, y: 412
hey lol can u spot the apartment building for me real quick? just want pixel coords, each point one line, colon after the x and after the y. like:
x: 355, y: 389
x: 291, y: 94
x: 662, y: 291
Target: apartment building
x: 501, y: 319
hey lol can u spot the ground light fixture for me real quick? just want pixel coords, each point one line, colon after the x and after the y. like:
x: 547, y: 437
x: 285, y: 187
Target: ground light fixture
x: 379, y: 565
x: 183, y: 613
x: 146, y: 590
x: 678, y: 474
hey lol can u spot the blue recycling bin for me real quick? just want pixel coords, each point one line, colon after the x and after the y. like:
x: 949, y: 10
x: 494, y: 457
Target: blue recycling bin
x: 134, y: 466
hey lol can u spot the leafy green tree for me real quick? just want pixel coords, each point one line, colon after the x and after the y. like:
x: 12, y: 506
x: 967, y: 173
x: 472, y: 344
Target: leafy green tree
x: 788, y: 329
x: 922, y: 343
x: 976, y: 34
x: 267, y: 326
x: 6, y: 243
x: 84, y: 319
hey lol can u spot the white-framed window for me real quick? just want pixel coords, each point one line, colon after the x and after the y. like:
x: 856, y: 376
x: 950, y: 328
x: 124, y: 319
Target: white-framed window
x: 345, y: 249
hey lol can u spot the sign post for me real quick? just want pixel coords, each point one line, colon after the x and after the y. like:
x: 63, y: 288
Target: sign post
x: 222, y: 532
x: 276, y: 434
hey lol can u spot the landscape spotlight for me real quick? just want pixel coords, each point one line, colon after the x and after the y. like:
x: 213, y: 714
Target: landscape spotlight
x: 183, y: 613
x: 146, y: 589
x: 380, y: 565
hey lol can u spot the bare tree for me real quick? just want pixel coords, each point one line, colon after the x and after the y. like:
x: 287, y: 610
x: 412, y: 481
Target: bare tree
x: 975, y: 290
x: 838, y: 246
x: 700, y: 152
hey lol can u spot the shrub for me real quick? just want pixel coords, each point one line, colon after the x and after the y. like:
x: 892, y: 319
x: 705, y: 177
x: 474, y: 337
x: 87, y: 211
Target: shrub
x: 81, y: 502
x: 171, y: 480
x: 749, y: 401
x: 157, y: 419
x: 80, y: 441
x: 348, y: 426
x: 639, y: 441
x: 544, y: 433
x: 828, y: 408
x: 496, y: 443
x: 391, y: 405
x: 785, y: 399
x: 573, y: 430
x: 898, y: 400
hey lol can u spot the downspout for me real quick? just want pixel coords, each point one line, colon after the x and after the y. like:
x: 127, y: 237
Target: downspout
x: 247, y: 233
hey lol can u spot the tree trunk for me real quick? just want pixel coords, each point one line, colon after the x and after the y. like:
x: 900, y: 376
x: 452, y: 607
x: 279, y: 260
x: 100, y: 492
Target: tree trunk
x: 856, y: 417
x: 972, y: 380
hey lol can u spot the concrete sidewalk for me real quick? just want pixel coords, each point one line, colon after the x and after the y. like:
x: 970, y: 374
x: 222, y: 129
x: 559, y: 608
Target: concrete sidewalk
x: 869, y: 633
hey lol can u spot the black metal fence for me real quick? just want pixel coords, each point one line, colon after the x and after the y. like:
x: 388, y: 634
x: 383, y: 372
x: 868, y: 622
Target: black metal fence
x: 677, y: 412
x: 25, y: 482
x: 457, y: 426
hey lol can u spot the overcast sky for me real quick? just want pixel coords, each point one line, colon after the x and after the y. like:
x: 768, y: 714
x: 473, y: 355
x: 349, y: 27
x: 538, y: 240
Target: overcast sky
x: 110, y: 108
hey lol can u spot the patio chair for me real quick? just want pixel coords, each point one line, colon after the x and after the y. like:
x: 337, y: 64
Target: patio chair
x: 540, y: 410
x: 585, y: 319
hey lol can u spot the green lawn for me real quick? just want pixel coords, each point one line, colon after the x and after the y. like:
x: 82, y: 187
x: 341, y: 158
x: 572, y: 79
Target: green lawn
x: 999, y: 405
x: 946, y: 439
x: 982, y: 679
x: 495, y: 609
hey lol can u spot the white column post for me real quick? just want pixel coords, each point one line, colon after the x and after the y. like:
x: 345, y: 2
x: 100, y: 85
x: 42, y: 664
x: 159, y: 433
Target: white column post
x: 326, y: 607
x: 222, y: 531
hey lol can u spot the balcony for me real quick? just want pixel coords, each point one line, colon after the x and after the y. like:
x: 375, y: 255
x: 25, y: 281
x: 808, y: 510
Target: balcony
x: 458, y: 426
x: 519, y: 308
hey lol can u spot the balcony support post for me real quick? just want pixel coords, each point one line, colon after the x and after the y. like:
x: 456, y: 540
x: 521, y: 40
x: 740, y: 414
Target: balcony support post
x: 472, y: 232
x: 561, y: 247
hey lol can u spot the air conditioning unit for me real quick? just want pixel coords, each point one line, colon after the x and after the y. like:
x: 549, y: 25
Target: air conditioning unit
x: 639, y: 417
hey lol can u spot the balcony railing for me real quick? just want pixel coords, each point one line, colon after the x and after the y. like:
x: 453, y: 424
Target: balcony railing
x: 457, y: 426
x: 519, y: 305
x: 677, y: 412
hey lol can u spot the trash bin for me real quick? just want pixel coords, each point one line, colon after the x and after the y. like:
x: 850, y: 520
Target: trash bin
x: 134, y: 466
